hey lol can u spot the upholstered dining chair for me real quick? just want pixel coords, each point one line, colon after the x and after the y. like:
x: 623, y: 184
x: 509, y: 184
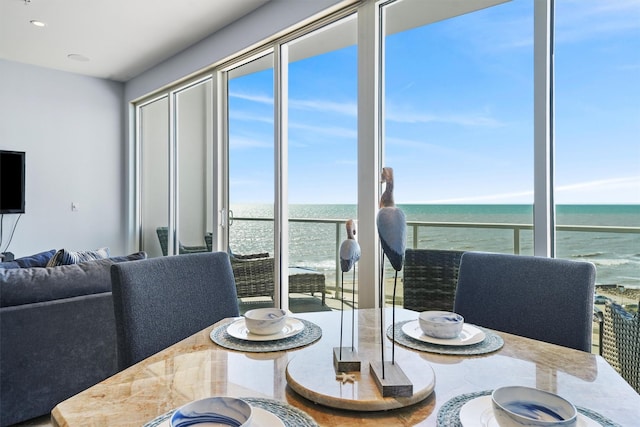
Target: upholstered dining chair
x: 160, y: 301
x: 547, y: 299
x: 620, y: 337
x: 430, y: 277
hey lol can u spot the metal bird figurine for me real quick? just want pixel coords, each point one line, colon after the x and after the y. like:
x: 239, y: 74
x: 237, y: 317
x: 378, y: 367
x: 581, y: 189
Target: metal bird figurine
x: 392, y: 230
x: 349, y: 255
x: 392, y: 224
x: 349, y: 249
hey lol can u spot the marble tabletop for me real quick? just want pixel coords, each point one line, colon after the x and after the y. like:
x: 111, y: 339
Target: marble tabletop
x: 197, y: 367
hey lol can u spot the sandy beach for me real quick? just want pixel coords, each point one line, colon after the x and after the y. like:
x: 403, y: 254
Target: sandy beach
x: 622, y: 296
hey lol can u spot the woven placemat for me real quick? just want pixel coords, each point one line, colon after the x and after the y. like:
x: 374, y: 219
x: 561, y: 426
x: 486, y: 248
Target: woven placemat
x: 289, y: 415
x: 492, y: 342
x: 308, y: 335
x: 449, y: 413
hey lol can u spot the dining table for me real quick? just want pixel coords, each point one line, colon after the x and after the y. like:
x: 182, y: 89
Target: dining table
x: 451, y: 384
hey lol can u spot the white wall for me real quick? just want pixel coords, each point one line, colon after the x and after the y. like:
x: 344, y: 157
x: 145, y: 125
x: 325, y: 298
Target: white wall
x: 72, y: 130
x: 268, y: 20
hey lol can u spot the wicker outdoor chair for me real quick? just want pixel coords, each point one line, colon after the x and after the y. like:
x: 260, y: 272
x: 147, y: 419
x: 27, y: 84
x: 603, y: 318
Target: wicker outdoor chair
x: 163, y: 237
x: 430, y: 279
x: 254, y: 275
x: 620, y: 337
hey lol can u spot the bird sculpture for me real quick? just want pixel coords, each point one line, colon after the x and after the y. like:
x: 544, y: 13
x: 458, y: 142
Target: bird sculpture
x: 349, y: 249
x: 392, y: 224
x: 349, y: 255
x: 392, y: 230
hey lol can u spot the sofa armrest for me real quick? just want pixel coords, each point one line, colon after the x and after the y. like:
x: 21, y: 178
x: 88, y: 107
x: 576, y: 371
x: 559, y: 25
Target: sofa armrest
x: 51, y: 350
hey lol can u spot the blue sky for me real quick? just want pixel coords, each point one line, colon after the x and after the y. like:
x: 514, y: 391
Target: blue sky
x: 459, y: 112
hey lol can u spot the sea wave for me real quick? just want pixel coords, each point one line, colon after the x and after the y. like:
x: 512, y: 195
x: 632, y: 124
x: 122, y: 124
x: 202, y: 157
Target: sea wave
x: 610, y: 262
x: 589, y: 255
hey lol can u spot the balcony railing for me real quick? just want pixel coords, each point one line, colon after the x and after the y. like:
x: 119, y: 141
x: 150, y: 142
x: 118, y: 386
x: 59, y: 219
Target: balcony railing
x: 414, y: 228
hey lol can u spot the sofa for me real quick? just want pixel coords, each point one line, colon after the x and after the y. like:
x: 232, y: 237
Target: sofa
x: 57, y: 334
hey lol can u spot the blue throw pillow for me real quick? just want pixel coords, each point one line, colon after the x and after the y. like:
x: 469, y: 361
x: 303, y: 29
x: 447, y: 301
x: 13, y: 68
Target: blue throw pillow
x: 131, y: 257
x: 38, y: 260
x: 65, y: 257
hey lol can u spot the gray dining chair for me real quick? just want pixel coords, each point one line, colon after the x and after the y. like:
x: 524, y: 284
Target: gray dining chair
x: 546, y: 299
x: 430, y: 277
x: 160, y: 301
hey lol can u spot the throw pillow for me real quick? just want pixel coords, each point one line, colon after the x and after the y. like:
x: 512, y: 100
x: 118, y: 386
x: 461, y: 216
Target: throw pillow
x: 9, y: 264
x: 65, y: 257
x: 38, y: 260
x: 131, y: 257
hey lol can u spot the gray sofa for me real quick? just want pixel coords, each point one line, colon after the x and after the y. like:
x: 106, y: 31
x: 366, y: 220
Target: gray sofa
x: 57, y: 334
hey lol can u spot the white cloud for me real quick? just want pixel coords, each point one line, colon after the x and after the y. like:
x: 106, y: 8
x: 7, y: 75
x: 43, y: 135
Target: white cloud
x: 248, y: 117
x: 262, y: 99
x: 466, y: 119
x: 348, y: 108
x: 611, y: 190
x: 335, y: 131
x: 515, y: 197
x: 242, y: 142
x: 584, y: 20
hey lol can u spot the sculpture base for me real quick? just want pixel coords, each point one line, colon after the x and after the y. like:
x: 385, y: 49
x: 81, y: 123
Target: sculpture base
x: 313, y: 376
x: 395, y: 383
x: 348, y: 361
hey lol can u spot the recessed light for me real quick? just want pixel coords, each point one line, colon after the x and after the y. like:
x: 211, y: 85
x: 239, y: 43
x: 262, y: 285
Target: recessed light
x: 37, y: 23
x: 78, y: 57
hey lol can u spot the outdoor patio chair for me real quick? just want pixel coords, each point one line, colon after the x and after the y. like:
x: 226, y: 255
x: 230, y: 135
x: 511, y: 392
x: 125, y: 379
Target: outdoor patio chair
x: 620, y: 338
x: 255, y: 276
x: 160, y: 301
x: 163, y: 237
x: 547, y: 299
x: 430, y: 277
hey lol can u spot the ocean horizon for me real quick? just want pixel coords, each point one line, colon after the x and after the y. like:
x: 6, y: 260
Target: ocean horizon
x: 313, y: 244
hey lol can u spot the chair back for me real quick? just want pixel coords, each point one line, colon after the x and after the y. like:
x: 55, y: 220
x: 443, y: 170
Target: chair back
x: 547, y: 299
x: 254, y: 275
x: 163, y: 238
x: 430, y: 277
x: 621, y: 342
x: 160, y: 301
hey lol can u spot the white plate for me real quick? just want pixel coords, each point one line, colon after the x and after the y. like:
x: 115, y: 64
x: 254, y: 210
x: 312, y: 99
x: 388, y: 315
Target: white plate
x: 469, y: 335
x: 478, y: 412
x: 261, y: 418
x: 238, y: 329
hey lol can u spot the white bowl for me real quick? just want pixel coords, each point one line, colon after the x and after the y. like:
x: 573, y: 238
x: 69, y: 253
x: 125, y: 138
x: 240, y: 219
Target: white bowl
x: 265, y: 321
x: 226, y: 411
x: 517, y: 406
x: 441, y: 324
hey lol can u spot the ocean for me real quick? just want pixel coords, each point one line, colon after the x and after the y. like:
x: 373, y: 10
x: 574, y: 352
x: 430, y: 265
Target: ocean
x: 313, y: 244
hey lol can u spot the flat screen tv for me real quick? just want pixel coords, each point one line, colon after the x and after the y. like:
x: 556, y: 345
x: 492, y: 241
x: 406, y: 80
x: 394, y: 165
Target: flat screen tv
x: 12, y: 164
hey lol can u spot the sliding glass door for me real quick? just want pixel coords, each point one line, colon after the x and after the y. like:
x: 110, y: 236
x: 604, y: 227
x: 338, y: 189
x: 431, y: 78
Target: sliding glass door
x: 597, y: 98
x: 251, y: 157
x: 194, y: 165
x: 175, y: 146
x: 153, y: 172
x: 322, y: 125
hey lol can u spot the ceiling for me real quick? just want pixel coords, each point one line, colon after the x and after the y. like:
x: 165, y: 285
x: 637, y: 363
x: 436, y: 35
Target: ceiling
x: 110, y: 39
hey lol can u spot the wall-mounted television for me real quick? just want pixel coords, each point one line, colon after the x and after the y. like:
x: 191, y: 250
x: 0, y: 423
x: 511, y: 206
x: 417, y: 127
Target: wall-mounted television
x: 12, y: 165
